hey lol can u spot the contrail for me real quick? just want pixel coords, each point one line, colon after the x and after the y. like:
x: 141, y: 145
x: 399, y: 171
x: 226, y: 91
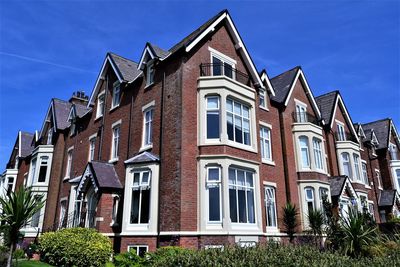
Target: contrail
x: 44, y: 62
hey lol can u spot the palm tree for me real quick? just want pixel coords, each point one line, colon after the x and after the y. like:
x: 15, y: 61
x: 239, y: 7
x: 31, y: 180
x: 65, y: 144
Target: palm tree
x: 290, y: 220
x: 17, y: 210
x: 316, y: 223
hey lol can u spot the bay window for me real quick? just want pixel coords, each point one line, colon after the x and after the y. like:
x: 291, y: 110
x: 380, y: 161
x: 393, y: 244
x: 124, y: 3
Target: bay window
x: 140, y: 202
x: 265, y: 143
x: 33, y: 171
x: 241, y: 196
x: 310, y: 199
x: 305, y: 156
x: 318, y: 154
x: 213, y: 117
x: 238, y: 121
x: 270, y: 203
x: 43, y: 169
x: 213, y: 185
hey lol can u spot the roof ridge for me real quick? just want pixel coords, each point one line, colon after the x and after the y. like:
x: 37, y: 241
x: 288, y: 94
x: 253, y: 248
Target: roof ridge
x: 297, y: 68
x: 328, y: 93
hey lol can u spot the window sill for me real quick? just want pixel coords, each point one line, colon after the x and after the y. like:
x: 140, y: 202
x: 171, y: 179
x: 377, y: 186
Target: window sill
x: 114, y: 108
x: 97, y: 118
x: 268, y: 162
x: 271, y: 229
x: 146, y: 147
x: 368, y: 187
x: 263, y: 108
x: 66, y: 178
x: 380, y: 188
x: 113, y: 160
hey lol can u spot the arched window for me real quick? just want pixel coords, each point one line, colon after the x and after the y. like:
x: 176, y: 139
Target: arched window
x: 304, y: 150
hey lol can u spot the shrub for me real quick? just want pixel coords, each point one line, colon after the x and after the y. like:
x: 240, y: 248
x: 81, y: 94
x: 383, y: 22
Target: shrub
x: 3, y: 255
x: 75, y: 247
x: 290, y: 220
x: 128, y: 259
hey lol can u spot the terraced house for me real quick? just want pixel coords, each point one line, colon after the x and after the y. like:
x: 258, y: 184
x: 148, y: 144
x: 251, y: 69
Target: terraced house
x: 193, y: 146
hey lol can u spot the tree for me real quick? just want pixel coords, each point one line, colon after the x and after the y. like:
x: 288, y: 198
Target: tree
x: 17, y: 210
x: 290, y: 220
x: 316, y: 223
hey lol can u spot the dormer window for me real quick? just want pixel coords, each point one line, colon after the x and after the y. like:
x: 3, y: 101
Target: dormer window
x: 150, y: 73
x: 100, y: 105
x: 340, y: 132
x: 116, y: 97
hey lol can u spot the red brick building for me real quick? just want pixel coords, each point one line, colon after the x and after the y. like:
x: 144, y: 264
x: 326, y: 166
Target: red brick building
x: 192, y: 146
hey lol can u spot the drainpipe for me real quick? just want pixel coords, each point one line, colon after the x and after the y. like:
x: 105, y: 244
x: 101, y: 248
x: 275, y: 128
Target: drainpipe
x: 160, y: 155
x: 284, y: 154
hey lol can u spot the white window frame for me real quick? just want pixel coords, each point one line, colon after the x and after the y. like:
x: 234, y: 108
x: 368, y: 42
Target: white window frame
x: 357, y: 167
x: 393, y: 151
x: 139, y: 187
x: 214, y: 183
x: 307, y: 150
x: 348, y: 162
x: 32, y: 172
x: 318, y: 154
x: 150, y: 107
x: 69, y: 163
x: 309, y: 200
x: 301, y: 111
x: 44, y: 162
x: 364, y: 172
x: 115, y: 141
x: 50, y: 135
x: 379, y: 178
x: 92, y: 147
x: 115, y: 205
x: 100, y: 104
x: 242, y: 119
x: 137, y: 248
x: 272, y: 189
x: 224, y: 60
x: 116, y: 95
x: 266, y: 143
x: 263, y: 96
x: 150, y: 71
x: 341, y: 134
x: 213, y: 110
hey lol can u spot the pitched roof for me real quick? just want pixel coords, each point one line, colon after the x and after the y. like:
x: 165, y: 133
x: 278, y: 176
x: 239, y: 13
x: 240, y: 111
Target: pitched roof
x: 189, y: 38
x: 159, y: 52
x: 81, y: 110
x: 126, y: 68
x: 105, y: 175
x: 326, y: 104
x: 381, y: 129
x: 142, y: 158
x: 337, y: 183
x: 26, y: 144
x: 283, y: 83
x: 387, y: 198
x: 61, y: 111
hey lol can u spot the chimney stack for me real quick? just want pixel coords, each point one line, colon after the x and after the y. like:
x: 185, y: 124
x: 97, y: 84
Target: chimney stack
x: 79, y: 97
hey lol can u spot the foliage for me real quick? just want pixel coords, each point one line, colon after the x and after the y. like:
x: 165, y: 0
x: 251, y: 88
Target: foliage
x: 30, y: 263
x: 262, y: 255
x: 3, y: 255
x: 17, y: 210
x: 290, y: 219
x: 128, y: 259
x: 333, y: 229
x: 75, y: 246
x: 358, y: 233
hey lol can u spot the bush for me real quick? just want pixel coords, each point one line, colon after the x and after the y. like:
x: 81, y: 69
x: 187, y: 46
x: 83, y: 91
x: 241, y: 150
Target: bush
x: 75, y: 247
x: 128, y: 259
x: 4, y: 255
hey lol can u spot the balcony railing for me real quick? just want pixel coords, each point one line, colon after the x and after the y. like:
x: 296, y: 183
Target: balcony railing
x: 75, y: 219
x: 221, y: 69
x: 303, y: 117
x: 345, y: 137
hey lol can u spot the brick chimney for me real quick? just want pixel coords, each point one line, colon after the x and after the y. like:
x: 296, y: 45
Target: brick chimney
x: 79, y: 97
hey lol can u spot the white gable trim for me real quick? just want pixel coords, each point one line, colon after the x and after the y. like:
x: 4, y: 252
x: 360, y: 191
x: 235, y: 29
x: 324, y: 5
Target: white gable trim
x: 51, y: 108
x: 361, y: 131
x: 238, y: 44
x: 265, y: 78
x: 373, y: 138
x: 338, y: 101
x: 19, y: 143
x: 72, y: 113
x: 87, y: 175
x: 300, y: 74
x: 146, y: 50
x: 100, y: 76
x: 395, y: 132
x: 347, y: 184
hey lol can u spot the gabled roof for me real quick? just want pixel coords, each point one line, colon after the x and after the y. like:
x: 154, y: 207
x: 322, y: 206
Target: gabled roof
x: 284, y: 84
x: 151, y: 51
x: 265, y: 78
x: 125, y: 69
x: 190, y: 41
x: 360, y: 131
x: 387, y: 198
x: 328, y: 104
x: 101, y: 175
x: 382, y: 130
x: 25, y: 144
x: 78, y: 110
x: 142, y: 158
x: 57, y: 112
x: 339, y: 184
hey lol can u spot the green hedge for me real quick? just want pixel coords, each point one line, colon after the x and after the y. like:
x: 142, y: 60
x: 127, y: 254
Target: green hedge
x: 75, y: 247
x: 268, y: 255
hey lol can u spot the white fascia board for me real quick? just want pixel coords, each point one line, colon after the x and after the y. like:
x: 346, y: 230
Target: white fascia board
x: 264, y: 77
x: 107, y: 59
x: 19, y: 143
x: 392, y: 126
x: 300, y: 74
x: 145, y: 51
x: 238, y: 43
x: 51, y: 107
x: 72, y: 113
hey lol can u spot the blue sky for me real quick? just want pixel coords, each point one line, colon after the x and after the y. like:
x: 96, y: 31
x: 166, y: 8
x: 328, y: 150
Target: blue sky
x: 50, y: 49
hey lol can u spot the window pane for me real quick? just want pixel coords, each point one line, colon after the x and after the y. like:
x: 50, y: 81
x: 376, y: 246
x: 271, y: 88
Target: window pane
x: 250, y: 206
x: 238, y: 108
x: 228, y: 70
x: 214, y: 204
x: 213, y: 174
x: 212, y: 102
x: 240, y: 178
x: 232, y: 204
x: 145, y: 178
x: 142, y: 251
x: 145, y: 206
x: 238, y: 129
x: 135, y: 206
x: 242, y: 205
x: 229, y: 121
x: 213, y: 124
x: 42, y: 174
x: 217, y: 66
